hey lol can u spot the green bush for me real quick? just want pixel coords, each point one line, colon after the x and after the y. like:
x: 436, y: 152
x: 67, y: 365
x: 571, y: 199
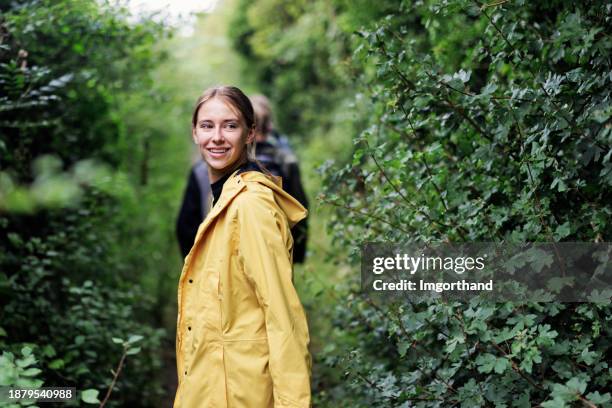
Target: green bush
x: 475, y: 122
x: 69, y: 281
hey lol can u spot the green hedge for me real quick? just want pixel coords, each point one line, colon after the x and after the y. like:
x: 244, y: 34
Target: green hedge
x: 472, y: 122
x: 69, y: 282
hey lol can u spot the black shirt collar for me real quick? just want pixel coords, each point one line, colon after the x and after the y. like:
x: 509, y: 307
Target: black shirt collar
x: 217, y: 186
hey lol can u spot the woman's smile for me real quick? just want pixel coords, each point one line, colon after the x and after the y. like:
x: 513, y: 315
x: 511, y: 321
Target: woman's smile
x: 217, y: 152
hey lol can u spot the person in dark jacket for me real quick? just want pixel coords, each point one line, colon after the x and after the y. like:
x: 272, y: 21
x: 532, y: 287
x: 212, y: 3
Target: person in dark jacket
x: 274, y: 153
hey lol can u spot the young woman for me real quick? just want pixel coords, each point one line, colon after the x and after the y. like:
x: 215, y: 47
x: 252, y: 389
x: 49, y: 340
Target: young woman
x: 242, y: 337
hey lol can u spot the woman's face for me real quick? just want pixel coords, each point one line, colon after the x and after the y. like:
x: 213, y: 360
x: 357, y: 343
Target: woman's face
x: 222, y: 136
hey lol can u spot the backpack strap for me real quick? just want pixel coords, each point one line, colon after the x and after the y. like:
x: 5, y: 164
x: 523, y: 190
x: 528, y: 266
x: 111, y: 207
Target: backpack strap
x: 285, y: 158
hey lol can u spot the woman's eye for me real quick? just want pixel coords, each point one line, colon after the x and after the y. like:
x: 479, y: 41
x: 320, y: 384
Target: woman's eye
x: 231, y: 125
x: 206, y: 126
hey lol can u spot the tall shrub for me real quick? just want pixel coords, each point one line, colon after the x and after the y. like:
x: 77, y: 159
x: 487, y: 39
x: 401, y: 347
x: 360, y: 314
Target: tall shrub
x: 66, y: 288
x: 485, y: 122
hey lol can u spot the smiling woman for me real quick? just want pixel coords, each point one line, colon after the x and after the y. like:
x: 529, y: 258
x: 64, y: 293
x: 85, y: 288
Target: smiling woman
x: 242, y: 337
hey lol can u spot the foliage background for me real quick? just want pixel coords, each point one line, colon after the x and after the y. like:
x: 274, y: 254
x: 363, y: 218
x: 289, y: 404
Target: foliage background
x: 469, y: 122
x: 414, y: 121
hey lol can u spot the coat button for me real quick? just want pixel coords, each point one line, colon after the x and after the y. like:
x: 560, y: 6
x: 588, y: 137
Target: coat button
x: 189, y: 328
x: 190, y: 280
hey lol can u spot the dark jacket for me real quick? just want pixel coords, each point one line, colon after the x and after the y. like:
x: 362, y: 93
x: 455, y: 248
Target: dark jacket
x: 194, y: 206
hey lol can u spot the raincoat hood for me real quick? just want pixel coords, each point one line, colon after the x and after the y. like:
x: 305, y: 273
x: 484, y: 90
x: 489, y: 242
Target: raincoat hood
x: 294, y: 211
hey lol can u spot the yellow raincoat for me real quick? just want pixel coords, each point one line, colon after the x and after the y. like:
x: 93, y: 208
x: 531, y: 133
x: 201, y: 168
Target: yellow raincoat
x: 242, y: 337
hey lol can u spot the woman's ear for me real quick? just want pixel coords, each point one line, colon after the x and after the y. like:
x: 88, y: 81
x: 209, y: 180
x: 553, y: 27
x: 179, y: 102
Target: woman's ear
x: 250, y: 136
x: 194, y: 136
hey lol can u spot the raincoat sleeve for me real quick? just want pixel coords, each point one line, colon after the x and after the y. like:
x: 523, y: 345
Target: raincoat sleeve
x: 263, y: 230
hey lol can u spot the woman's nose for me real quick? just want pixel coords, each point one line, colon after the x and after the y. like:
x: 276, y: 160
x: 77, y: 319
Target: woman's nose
x: 218, y: 135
